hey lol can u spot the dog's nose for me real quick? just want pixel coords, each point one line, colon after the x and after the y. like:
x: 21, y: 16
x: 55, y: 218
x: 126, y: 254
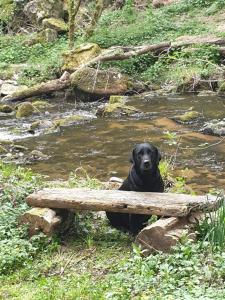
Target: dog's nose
x: 146, y: 163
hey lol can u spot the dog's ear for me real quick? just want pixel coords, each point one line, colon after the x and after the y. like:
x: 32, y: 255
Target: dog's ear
x: 132, y: 157
x: 159, y: 157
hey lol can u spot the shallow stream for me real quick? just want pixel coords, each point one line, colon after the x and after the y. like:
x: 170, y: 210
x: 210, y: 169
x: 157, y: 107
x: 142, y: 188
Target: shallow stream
x: 103, y: 145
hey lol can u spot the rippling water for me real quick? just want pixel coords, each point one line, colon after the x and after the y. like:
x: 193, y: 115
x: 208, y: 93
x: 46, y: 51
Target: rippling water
x: 103, y: 145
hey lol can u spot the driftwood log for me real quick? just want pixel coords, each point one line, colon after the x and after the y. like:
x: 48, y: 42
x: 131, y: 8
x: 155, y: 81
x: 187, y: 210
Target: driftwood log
x: 160, y: 204
x: 43, y: 88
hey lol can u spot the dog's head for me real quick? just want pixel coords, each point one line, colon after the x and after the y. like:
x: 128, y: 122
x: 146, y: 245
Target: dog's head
x: 145, y: 158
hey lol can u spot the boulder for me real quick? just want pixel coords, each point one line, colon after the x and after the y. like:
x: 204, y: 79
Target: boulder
x: 100, y: 82
x: 187, y: 117
x: 25, y: 109
x: 116, y: 107
x: 5, y: 109
x: 56, y: 24
x: 37, y: 155
x: 37, y: 10
x: 214, y: 127
x: 8, y: 88
x: 80, y: 55
x: 42, y: 125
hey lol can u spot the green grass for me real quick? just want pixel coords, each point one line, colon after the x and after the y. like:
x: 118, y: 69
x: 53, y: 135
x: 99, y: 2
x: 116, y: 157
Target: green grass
x: 95, y: 261
x: 42, y: 60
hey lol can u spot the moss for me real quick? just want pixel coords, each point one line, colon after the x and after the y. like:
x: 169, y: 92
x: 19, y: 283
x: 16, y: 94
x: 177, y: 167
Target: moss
x: 7, y: 8
x: 99, y: 82
x: 116, y: 106
x: 57, y: 24
x: 5, y: 108
x: 80, y: 55
x: 117, y: 99
x: 68, y: 120
x: 25, y: 109
x: 188, y: 116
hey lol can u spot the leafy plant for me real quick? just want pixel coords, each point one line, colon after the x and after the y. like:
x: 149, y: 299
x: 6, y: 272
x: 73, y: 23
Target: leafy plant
x: 212, y: 228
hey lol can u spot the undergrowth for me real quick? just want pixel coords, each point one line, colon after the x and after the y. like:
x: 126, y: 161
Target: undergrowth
x: 95, y: 261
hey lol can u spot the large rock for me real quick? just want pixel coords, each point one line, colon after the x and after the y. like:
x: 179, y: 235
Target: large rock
x: 116, y: 107
x: 214, y: 127
x: 100, y: 82
x: 37, y: 10
x: 5, y: 108
x: 56, y: 24
x: 25, y: 109
x: 9, y: 88
x: 80, y: 55
x: 188, y: 117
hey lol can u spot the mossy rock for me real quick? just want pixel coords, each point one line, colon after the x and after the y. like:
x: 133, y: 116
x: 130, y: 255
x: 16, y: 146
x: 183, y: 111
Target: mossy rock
x: 116, y: 107
x: 41, y: 104
x: 37, y: 10
x: 80, y: 55
x: 70, y: 120
x: 187, y: 117
x: 100, y: 82
x: 44, y: 125
x: 5, y: 108
x: 117, y: 99
x: 56, y: 24
x: 25, y: 109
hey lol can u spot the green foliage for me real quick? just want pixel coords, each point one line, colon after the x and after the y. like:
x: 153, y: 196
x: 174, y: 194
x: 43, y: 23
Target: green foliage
x: 43, y: 60
x: 181, y: 67
x: 16, y: 249
x: 185, y: 6
x: 212, y: 228
x: 80, y: 178
x: 7, y: 9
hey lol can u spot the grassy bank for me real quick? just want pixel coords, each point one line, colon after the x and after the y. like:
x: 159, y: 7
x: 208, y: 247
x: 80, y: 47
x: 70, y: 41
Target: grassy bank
x: 180, y: 70
x: 94, y: 261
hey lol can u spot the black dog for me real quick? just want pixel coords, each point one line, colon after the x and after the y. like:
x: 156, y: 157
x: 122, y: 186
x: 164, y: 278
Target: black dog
x: 144, y: 176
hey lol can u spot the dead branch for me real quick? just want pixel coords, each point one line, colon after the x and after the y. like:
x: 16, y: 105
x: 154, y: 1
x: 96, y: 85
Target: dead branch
x: 42, y: 88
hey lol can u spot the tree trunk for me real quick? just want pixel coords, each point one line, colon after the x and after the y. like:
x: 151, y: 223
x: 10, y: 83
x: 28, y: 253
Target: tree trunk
x: 96, y: 16
x: 73, y: 10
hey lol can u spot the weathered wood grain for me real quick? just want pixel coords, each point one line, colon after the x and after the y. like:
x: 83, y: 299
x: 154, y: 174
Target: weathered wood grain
x: 161, y: 204
x: 164, y: 234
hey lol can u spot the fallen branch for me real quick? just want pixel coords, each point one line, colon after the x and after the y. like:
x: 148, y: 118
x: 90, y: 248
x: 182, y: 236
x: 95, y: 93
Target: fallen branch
x: 114, y: 53
x: 39, y: 89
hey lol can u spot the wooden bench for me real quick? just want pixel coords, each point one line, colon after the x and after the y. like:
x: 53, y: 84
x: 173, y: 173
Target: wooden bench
x: 182, y: 211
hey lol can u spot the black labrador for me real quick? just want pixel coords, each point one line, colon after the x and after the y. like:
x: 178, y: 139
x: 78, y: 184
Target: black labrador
x: 144, y: 176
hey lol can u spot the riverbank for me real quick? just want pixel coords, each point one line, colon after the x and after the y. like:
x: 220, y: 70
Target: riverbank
x: 93, y: 260
x: 194, y: 67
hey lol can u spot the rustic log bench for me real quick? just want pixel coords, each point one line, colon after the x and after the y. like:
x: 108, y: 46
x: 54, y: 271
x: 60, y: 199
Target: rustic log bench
x: 182, y: 211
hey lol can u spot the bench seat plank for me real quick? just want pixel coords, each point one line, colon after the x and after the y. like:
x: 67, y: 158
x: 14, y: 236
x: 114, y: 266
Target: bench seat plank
x: 161, y: 204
